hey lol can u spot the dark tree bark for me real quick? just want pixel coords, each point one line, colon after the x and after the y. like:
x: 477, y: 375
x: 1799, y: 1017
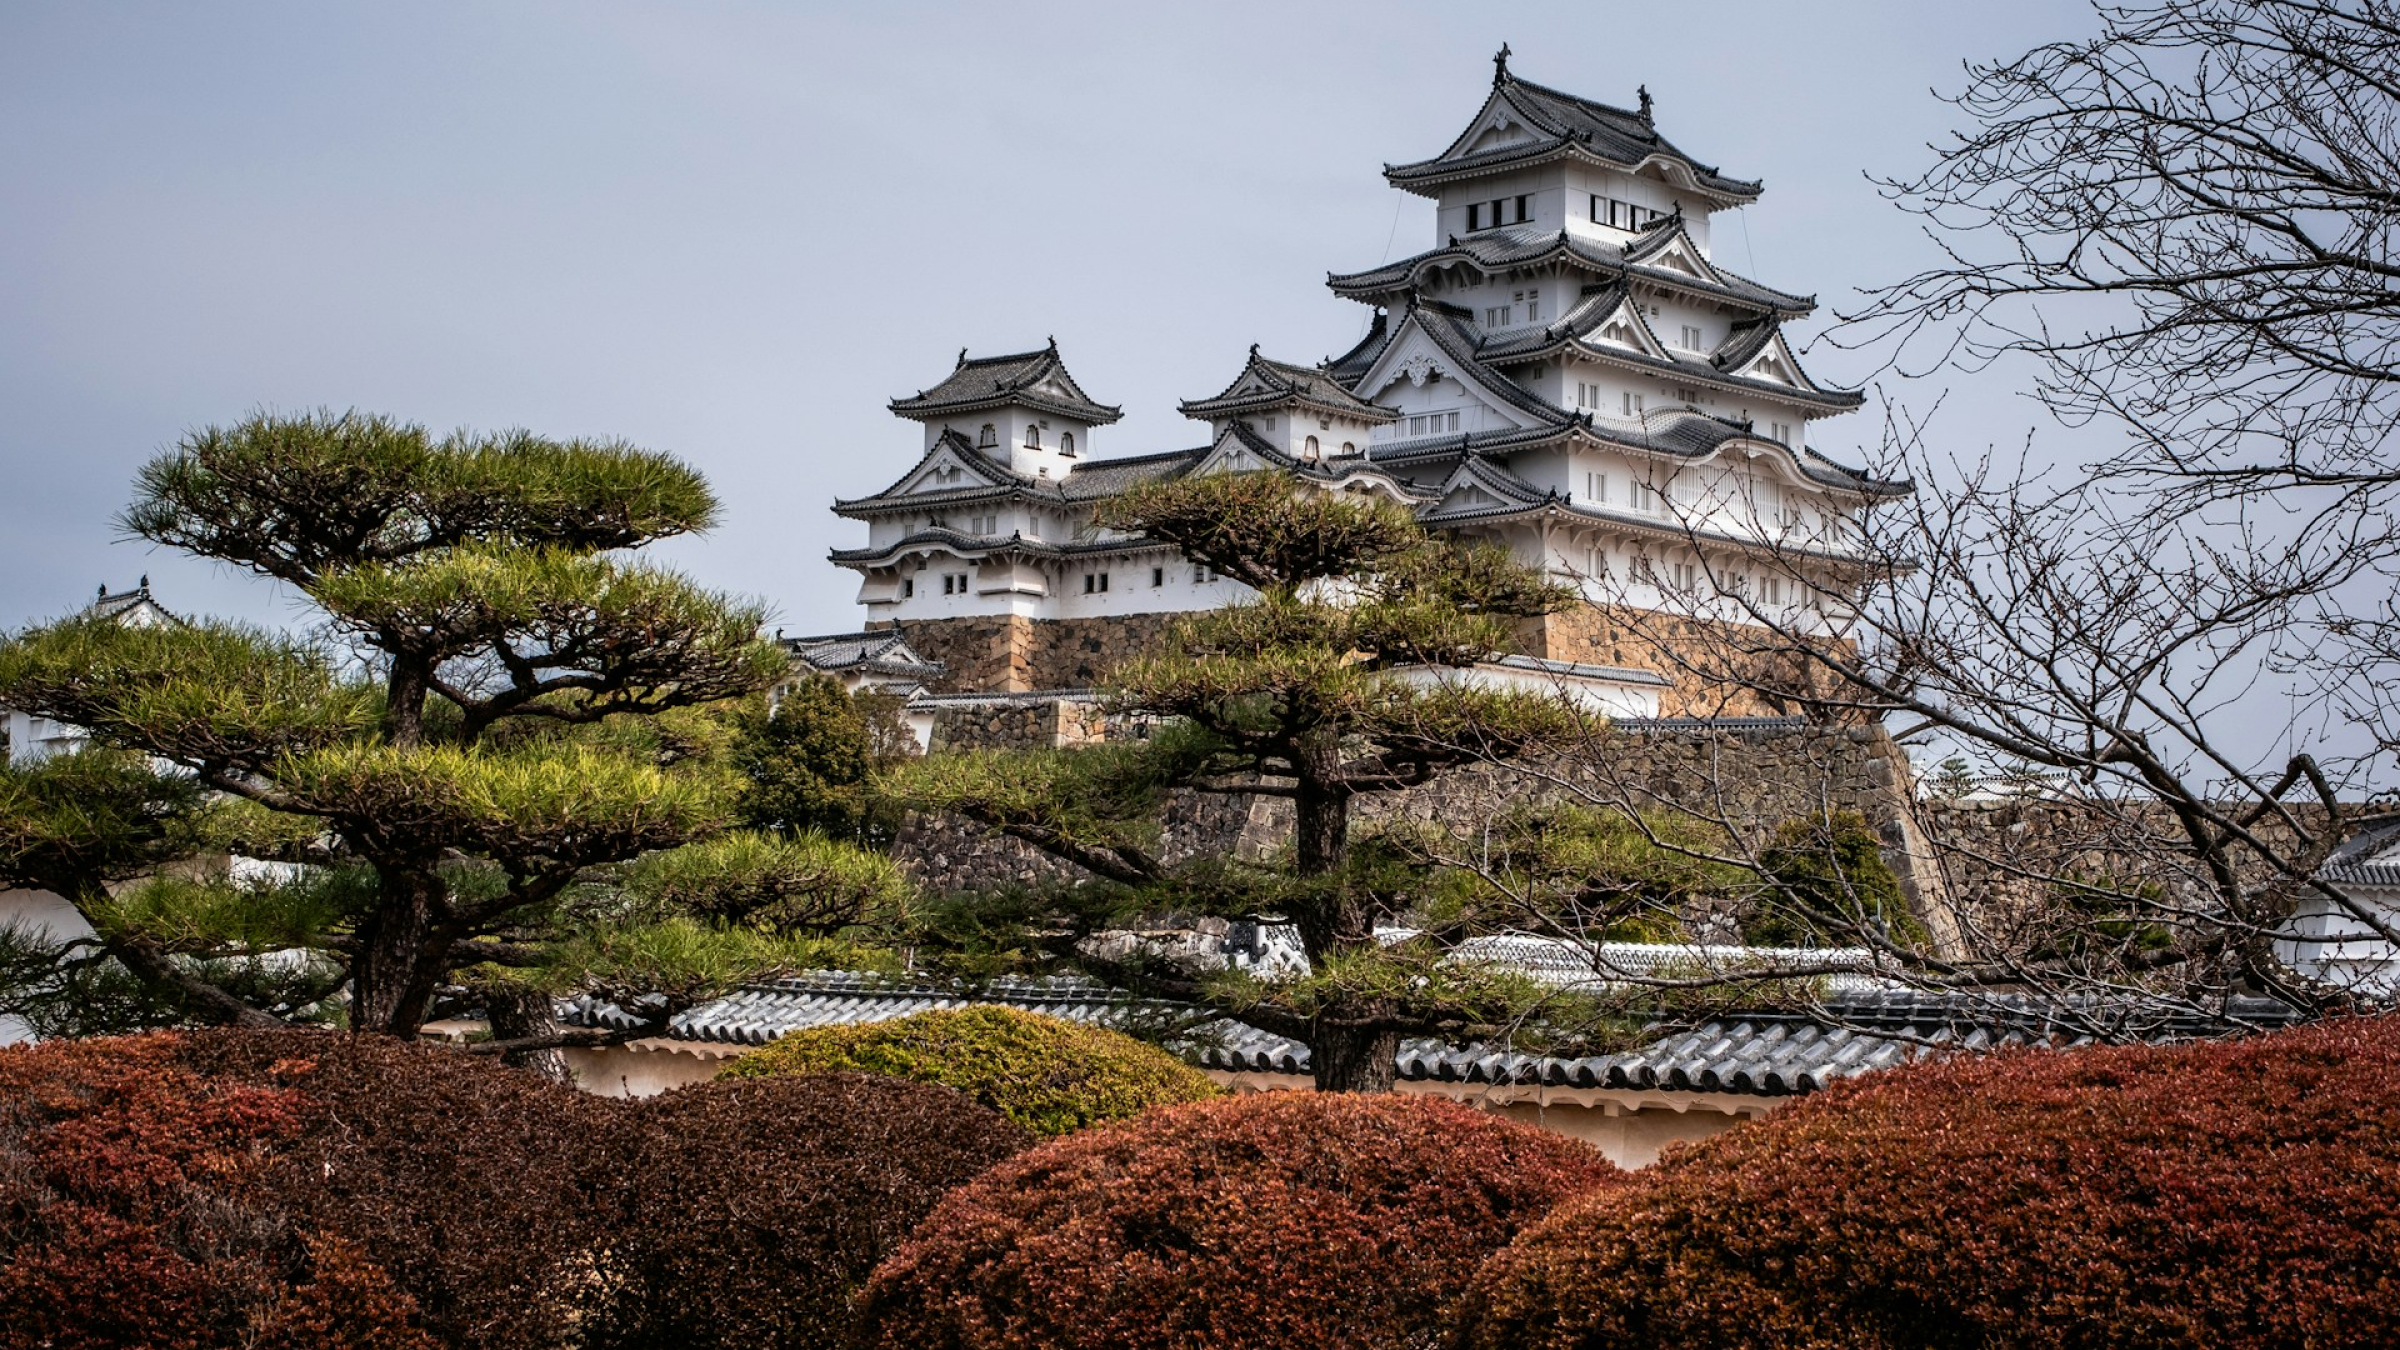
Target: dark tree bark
x: 520, y: 1014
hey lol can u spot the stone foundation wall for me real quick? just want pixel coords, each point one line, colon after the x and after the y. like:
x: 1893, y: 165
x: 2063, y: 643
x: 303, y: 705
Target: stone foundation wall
x: 1612, y: 635
x: 1009, y: 654
x: 1042, y: 724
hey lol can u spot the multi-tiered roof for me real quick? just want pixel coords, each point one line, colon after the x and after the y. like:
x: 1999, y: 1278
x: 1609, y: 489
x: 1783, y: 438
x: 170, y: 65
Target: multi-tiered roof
x: 1605, y: 282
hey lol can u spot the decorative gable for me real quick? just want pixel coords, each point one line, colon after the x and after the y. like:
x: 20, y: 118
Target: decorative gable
x: 947, y: 468
x: 1414, y: 360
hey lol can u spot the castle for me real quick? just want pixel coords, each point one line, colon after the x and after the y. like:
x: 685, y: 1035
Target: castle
x: 1566, y: 372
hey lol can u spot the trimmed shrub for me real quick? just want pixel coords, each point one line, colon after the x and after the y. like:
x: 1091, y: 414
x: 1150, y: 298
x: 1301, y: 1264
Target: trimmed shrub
x: 136, y: 1209
x: 325, y: 1189
x: 758, y: 1206
x: 2237, y: 1194
x: 1283, y: 1220
x: 1048, y: 1075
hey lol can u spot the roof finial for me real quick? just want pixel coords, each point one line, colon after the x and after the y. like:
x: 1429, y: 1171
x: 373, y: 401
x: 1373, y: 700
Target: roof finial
x: 1253, y: 351
x: 145, y: 582
x: 1053, y: 344
x: 1644, y: 92
x: 962, y: 359
x: 1500, y: 64
x: 104, y: 588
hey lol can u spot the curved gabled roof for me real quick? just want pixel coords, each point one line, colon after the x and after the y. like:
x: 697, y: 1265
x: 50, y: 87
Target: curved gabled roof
x: 1037, y: 380
x: 1721, y: 367
x: 882, y: 651
x: 1087, y: 481
x: 1522, y: 246
x: 1354, y: 363
x: 1264, y: 384
x: 1565, y: 125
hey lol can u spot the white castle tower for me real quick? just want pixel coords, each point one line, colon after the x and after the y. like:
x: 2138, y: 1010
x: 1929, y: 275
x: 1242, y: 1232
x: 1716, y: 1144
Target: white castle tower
x: 1566, y: 371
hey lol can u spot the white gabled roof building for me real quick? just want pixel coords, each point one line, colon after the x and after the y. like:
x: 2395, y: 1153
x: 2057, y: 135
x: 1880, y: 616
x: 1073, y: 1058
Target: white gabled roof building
x: 1566, y: 371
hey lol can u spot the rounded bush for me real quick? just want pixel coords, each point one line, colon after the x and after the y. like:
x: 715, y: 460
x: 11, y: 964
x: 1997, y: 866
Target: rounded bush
x: 482, y: 1189
x: 1048, y: 1075
x: 220, y: 1188
x: 1284, y: 1220
x: 759, y: 1205
x: 2235, y: 1194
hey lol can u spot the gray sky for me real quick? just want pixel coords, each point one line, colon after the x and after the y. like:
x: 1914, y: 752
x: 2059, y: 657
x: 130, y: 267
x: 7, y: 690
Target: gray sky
x: 732, y: 231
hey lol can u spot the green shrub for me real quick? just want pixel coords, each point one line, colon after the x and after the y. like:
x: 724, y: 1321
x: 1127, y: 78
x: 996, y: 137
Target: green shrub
x: 1279, y: 1221
x: 1049, y: 1076
x: 2235, y: 1195
x: 1830, y: 884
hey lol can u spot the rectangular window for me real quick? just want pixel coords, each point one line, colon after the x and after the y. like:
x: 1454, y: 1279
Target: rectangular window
x: 1597, y: 218
x: 1474, y: 216
x: 908, y: 589
x: 1453, y: 422
x: 1683, y: 577
x: 1595, y: 487
x: 1646, y: 498
x: 1781, y: 431
x: 1691, y: 338
x: 1633, y: 404
x: 1158, y: 576
x: 1686, y: 395
x: 1524, y: 209
x: 1770, y: 589
x: 1095, y: 583
x: 1416, y: 426
x: 1203, y: 575
x: 1533, y: 306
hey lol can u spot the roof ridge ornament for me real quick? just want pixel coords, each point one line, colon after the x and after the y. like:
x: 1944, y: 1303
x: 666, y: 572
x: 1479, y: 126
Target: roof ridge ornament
x: 1643, y: 92
x: 1500, y: 65
x: 962, y: 364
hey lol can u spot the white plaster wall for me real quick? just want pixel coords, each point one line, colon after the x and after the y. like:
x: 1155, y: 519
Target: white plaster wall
x: 645, y: 1068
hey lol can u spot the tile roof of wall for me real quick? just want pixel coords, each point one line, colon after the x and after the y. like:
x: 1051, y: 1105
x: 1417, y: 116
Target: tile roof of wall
x: 1765, y: 1054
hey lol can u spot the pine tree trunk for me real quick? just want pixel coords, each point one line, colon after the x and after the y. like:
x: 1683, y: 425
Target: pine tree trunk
x: 391, y: 981
x: 1353, y: 1059
x: 518, y: 1013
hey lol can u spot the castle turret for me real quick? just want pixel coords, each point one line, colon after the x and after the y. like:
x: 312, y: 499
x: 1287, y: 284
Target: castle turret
x: 1024, y: 410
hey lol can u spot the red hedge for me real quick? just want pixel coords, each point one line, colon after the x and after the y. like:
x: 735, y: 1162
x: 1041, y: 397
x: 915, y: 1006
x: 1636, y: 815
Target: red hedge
x: 1284, y: 1220
x: 2242, y: 1194
x: 136, y: 1209
x: 311, y: 1188
x: 759, y: 1205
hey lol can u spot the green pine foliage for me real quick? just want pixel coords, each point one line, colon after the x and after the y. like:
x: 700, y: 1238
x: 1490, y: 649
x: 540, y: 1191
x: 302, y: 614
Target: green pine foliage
x: 502, y: 708
x: 1830, y: 882
x: 1325, y: 688
x: 1048, y: 1075
x: 808, y: 762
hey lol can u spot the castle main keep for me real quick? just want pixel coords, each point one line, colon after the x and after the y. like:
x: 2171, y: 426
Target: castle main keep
x: 1566, y: 371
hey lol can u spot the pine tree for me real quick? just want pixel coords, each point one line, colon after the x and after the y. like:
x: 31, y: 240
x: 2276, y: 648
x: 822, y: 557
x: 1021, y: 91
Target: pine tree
x: 497, y: 751
x: 1336, y: 683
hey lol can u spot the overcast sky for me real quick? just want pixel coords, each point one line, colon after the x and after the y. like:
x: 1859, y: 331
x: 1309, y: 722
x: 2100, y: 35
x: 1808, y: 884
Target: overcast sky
x: 732, y: 231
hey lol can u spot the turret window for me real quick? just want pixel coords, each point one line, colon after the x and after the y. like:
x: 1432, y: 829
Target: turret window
x: 1095, y: 583
x: 1158, y: 577
x: 1493, y: 215
x: 1633, y: 404
x: 1621, y: 215
x: 954, y: 583
x: 1310, y: 447
x: 1066, y: 442
x: 989, y: 437
x: 1033, y: 436
x: 1781, y: 431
